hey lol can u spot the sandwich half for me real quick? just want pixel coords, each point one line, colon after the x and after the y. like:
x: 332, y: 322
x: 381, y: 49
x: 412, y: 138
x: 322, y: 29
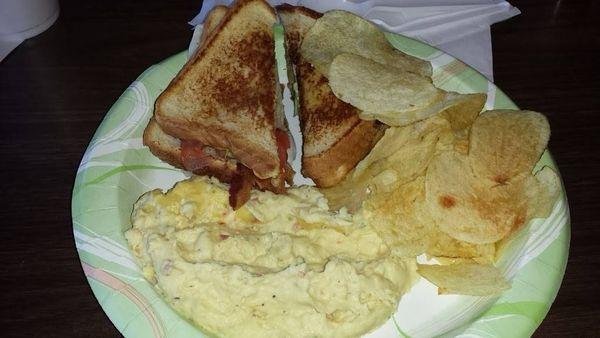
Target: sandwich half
x: 223, y: 108
x: 161, y: 144
x: 335, y: 139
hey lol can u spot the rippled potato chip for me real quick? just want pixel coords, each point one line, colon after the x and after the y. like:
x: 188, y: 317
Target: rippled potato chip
x: 480, y: 211
x: 399, y: 219
x: 465, y: 279
x: 394, y: 96
x: 406, y: 150
x: 505, y: 143
x: 348, y: 194
x: 381, y: 90
x: 462, y: 115
x: 468, y: 209
x: 338, y: 32
x: 464, y: 194
x: 541, y: 191
x: 401, y: 155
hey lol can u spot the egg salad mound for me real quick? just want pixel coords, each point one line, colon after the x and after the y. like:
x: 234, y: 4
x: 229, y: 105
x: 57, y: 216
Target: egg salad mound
x: 280, y: 266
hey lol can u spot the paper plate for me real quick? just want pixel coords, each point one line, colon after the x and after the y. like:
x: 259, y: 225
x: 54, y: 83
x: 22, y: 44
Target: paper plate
x: 116, y: 169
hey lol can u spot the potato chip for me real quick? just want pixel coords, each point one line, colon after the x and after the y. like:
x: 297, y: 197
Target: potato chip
x: 465, y: 279
x: 380, y: 90
x: 407, y: 150
x: 505, y: 143
x: 454, y: 141
x: 462, y: 115
x: 391, y: 95
x: 480, y: 211
x: 471, y: 209
x: 348, y: 194
x: 338, y: 32
x: 448, y: 247
x: 398, y: 218
x: 401, y: 155
x: 542, y: 190
x: 459, y: 260
x: 484, y: 196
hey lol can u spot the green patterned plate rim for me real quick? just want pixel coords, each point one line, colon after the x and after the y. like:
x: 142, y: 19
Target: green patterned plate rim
x: 116, y: 169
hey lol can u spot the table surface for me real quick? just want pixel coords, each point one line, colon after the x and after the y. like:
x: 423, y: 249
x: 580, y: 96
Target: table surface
x: 56, y: 88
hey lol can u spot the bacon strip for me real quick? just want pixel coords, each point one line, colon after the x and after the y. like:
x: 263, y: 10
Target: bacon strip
x: 283, y: 144
x: 196, y: 158
x: 240, y: 187
x: 192, y: 156
x: 198, y: 161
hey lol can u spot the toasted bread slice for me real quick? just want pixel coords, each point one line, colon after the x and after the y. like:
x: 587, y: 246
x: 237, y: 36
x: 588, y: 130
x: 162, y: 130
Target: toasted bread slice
x: 228, y: 88
x: 296, y: 21
x: 161, y: 144
x: 335, y: 139
x: 211, y: 22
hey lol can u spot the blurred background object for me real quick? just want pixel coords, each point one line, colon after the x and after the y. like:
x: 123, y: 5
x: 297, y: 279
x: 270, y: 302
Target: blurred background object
x: 23, y: 19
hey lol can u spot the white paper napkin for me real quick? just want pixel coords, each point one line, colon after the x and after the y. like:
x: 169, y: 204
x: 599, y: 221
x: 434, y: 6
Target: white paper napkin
x: 460, y: 28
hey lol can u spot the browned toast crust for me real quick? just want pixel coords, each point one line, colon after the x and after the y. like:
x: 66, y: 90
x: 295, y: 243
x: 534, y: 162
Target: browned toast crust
x: 331, y: 166
x: 213, y: 19
x: 154, y: 139
x: 285, y: 7
x: 295, y: 33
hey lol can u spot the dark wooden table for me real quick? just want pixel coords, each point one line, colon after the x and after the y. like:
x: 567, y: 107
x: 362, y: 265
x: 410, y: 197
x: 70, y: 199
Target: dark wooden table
x: 56, y: 88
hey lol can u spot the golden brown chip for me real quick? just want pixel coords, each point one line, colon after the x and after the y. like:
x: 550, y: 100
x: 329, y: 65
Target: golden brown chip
x: 348, y: 194
x: 338, y: 32
x: 465, y: 279
x: 462, y: 115
x: 484, y: 196
x: 480, y: 211
x: 505, y: 143
x: 395, y: 96
x: 399, y: 218
x: 406, y: 150
x: 401, y: 155
x: 471, y: 209
x: 542, y: 190
x: 448, y: 247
